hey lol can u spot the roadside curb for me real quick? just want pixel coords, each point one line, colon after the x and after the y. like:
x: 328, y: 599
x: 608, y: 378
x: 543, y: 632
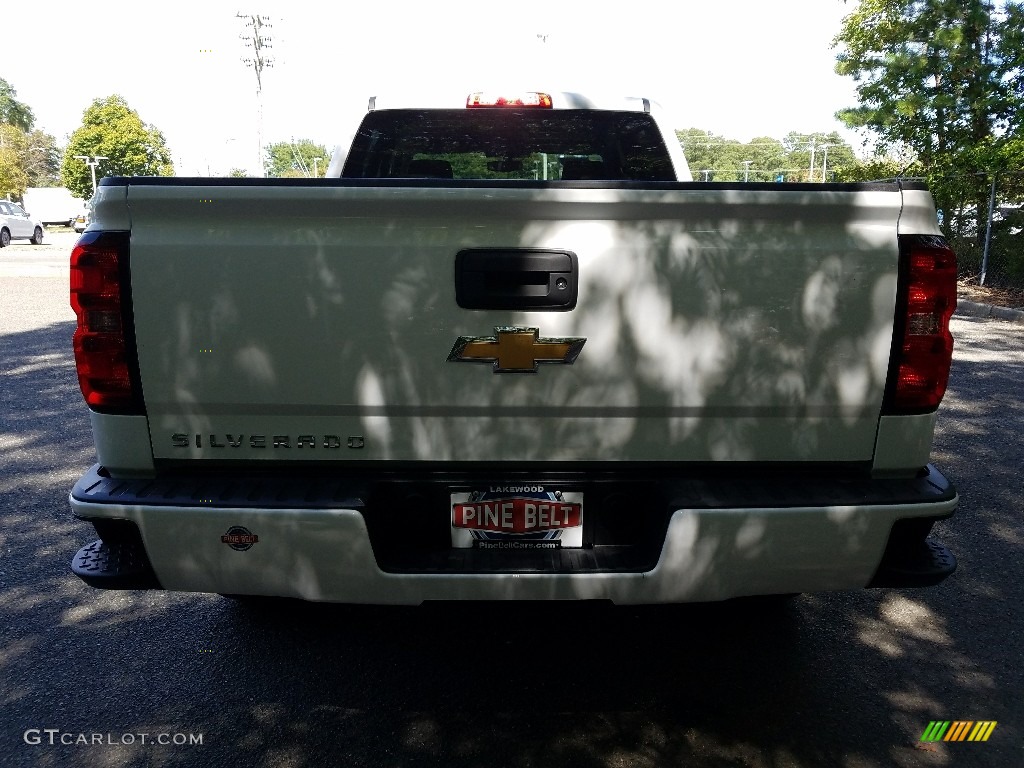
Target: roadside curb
x: 973, y: 309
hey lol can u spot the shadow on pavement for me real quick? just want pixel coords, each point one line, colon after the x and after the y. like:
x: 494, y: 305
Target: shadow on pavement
x: 846, y: 679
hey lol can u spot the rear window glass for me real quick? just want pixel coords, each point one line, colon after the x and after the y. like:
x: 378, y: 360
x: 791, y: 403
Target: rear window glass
x: 550, y: 145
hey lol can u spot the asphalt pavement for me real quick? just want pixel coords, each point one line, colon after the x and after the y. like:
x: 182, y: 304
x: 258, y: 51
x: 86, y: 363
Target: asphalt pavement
x: 852, y: 679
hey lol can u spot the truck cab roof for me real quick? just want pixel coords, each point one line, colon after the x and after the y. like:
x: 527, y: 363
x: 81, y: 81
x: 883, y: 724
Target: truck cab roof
x: 555, y: 100
x: 531, y: 126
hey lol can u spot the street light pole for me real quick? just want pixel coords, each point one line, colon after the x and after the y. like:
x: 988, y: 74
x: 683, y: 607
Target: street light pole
x: 92, y: 162
x: 746, y: 170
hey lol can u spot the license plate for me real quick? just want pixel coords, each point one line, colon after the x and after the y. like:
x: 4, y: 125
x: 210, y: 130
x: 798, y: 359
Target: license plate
x: 516, y: 517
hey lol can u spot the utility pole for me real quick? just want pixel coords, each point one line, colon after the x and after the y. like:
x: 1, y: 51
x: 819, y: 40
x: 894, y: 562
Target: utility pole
x: 92, y: 161
x: 824, y: 163
x: 746, y: 170
x: 811, y: 177
x: 256, y: 39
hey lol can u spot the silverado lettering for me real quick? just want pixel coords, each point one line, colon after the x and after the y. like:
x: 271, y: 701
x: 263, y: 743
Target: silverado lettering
x: 182, y: 440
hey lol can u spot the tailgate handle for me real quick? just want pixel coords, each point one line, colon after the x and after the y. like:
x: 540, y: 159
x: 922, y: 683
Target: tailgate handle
x: 516, y: 278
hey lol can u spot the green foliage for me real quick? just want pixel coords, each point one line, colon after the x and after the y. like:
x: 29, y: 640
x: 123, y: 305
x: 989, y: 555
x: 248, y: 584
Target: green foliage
x: 769, y: 158
x: 12, y: 111
x: 879, y: 168
x: 944, y: 79
x: 465, y: 165
x: 1010, y: 157
x: 13, y: 147
x: 294, y: 159
x: 1006, y: 254
x: 831, y: 155
x: 717, y: 158
x: 711, y: 157
x: 237, y: 173
x: 929, y: 74
x: 42, y: 160
x: 477, y: 165
x: 28, y: 158
x: 110, y: 128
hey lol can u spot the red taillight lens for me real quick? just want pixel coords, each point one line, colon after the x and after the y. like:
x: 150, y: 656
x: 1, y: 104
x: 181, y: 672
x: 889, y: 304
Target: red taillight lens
x: 925, y: 351
x: 99, y: 294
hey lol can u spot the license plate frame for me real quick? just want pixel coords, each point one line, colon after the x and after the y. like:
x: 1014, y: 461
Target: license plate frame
x: 516, y: 517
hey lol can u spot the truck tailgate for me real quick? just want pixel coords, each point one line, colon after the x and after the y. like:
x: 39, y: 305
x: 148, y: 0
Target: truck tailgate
x: 320, y: 323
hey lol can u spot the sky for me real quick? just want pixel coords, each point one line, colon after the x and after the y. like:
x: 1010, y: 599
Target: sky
x: 741, y: 69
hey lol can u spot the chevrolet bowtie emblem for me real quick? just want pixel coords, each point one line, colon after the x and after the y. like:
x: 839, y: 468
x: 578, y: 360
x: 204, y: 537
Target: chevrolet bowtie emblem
x: 515, y: 350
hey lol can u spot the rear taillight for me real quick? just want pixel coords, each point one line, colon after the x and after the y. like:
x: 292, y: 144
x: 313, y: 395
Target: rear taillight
x: 104, y: 338
x: 923, y: 348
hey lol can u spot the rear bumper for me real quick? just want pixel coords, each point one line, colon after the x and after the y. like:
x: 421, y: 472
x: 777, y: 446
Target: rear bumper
x: 720, y: 539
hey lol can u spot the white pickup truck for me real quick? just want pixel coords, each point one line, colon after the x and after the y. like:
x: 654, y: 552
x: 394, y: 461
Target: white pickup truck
x: 510, y: 350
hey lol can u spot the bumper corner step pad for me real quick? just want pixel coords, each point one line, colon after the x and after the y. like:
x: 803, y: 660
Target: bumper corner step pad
x: 924, y: 565
x: 120, y: 565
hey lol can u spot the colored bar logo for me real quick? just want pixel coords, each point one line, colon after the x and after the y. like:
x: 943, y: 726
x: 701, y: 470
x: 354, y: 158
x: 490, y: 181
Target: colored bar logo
x: 958, y: 730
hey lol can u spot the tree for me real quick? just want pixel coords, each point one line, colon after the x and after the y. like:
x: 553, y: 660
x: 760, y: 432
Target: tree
x: 768, y: 156
x: 12, y: 111
x: 731, y: 165
x: 943, y: 78
x: 707, y: 154
x: 829, y: 154
x: 930, y: 74
x: 42, y: 160
x: 110, y: 128
x: 295, y: 159
x: 28, y: 158
x: 879, y: 168
x: 13, y: 146
x: 716, y: 158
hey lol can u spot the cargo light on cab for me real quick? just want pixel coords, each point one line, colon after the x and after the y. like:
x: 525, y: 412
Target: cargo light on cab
x: 526, y: 99
x: 924, y: 352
